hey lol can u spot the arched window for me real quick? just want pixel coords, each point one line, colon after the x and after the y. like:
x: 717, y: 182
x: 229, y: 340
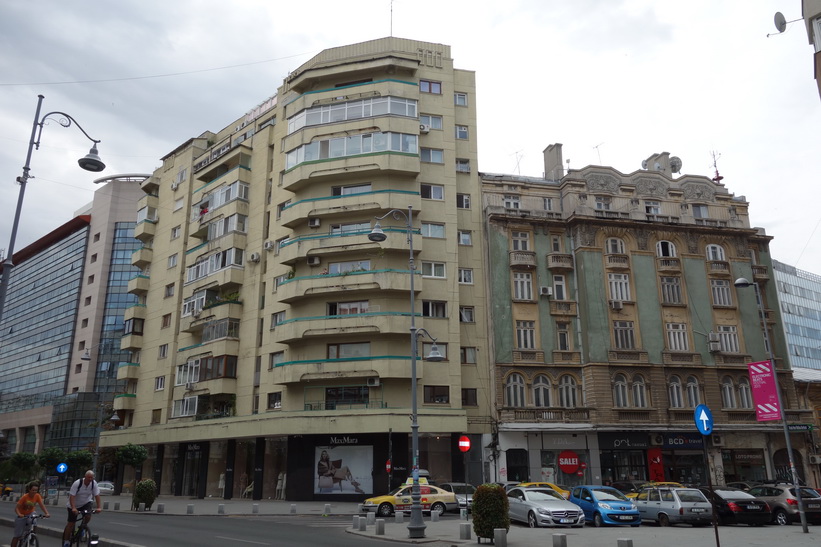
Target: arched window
x: 541, y: 391
x: 666, y: 248
x: 515, y: 390
x: 693, y: 397
x: 727, y: 393
x: 567, y: 391
x: 675, y: 393
x: 614, y: 246
x: 620, y: 391
x: 715, y: 252
x: 745, y: 394
x: 639, y: 392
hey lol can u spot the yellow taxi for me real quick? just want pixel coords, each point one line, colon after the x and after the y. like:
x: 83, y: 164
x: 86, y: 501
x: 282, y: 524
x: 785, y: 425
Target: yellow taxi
x: 434, y: 500
x: 563, y: 490
x: 633, y: 495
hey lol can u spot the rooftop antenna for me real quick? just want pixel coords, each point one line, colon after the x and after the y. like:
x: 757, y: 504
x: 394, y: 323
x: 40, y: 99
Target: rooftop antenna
x: 391, y: 18
x: 598, y: 152
x: 716, y: 155
x: 781, y: 23
x: 519, y: 157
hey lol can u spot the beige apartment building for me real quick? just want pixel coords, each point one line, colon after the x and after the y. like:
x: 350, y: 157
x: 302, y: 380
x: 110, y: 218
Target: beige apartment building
x: 271, y: 332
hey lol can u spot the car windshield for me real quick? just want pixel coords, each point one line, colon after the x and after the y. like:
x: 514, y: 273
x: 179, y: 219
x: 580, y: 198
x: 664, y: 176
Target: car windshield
x: 733, y: 494
x: 806, y: 493
x: 690, y: 495
x: 463, y: 488
x: 609, y: 494
x: 543, y: 495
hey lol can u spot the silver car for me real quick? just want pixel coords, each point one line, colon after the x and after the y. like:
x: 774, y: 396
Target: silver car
x: 464, y: 493
x: 543, y: 507
x: 671, y: 505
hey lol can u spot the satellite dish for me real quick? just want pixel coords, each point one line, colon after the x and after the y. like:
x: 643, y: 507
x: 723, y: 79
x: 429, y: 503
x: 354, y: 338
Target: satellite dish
x: 675, y: 164
x: 780, y: 22
x: 644, y: 164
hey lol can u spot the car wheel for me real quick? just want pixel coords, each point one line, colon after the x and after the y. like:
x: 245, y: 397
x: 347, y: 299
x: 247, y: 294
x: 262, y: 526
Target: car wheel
x: 532, y: 521
x: 781, y: 518
x: 598, y: 522
x: 664, y: 520
x: 438, y: 508
x: 384, y: 510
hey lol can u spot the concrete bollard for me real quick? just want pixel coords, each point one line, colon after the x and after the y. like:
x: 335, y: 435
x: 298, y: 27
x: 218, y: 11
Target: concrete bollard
x: 190, y: 509
x: 434, y: 516
x: 624, y: 542
x: 380, y: 527
x: 371, y: 518
x: 500, y: 537
x: 293, y: 508
x: 398, y: 517
x: 255, y: 509
x: 160, y: 508
x: 141, y: 508
x: 355, y: 523
x: 221, y: 509
x: 116, y: 505
x: 464, y: 530
x: 559, y: 540
x: 363, y: 524
x: 327, y: 510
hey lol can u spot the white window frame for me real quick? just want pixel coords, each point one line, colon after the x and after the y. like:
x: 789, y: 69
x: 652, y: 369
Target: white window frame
x: 172, y: 260
x: 522, y: 286
x: 675, y: 392
x: 463, y: 201
x: 435, y: 122
x: 465, y: 237
x: 520, y: 241
x: 460, y: 98
x: 559, y: 287
x: 186, y: 406
x: 614, y: 246
x: 619, y: 284
x: 462, y: 132
x: 432, y: 155
x: 462, y: 165
x: 433, y: 191
x: 525, y: 334
x: 466, y: 276
x: 677, y: 337
x: 159, y: 383
x: 715, y: 252
x: 515, y: 391
x: 728, y: 338
x: 620, y: 393
x: 512, y: 201
x: 721, y: 292
x: 467, y: 314
x: 435, y: 270
x: 433, y: 230
x: 542, y: 388
x: 670, y: 290
x: 624, y: 334
x: 436, y: 309
x: 692, y: 392
x: 568, y: 391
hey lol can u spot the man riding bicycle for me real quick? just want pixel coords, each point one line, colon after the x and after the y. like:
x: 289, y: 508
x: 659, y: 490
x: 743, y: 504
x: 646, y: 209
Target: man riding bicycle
x: 25, y: 506
x: 79, y: 499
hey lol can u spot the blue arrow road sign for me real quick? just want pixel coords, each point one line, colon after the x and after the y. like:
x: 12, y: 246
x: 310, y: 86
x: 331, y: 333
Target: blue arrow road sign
x: 704, y: 419
x: 62, y: 468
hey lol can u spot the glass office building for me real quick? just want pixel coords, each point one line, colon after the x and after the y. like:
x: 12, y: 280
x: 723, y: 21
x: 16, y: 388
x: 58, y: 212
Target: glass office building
x: 799, y: 294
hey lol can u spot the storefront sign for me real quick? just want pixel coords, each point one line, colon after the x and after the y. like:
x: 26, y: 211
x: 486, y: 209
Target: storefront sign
x: 683, y: 441
x: 623, y: 441
x: 344, y: 440
x: 568, y: 462
x: 765, y: 395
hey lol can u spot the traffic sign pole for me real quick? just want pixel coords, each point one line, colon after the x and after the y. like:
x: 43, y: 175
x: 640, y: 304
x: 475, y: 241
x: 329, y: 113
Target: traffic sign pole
x: 703, y: 418
x: 464, y: 446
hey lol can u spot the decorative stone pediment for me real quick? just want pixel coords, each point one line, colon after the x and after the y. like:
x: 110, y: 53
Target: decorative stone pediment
x: 646, y: 186
x: 598, y: 182
x: 698, y: 191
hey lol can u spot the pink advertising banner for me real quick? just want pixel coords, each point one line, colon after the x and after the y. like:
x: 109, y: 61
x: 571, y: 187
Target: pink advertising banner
x: 765, y: 396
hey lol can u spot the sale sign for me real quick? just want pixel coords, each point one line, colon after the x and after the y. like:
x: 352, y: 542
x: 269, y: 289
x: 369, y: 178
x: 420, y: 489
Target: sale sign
x: 568, y: 461
x: 765, y: 394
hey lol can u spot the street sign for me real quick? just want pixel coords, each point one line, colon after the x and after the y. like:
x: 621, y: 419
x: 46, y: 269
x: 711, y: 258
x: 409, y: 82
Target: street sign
x: 62, y: 468
x: 799, y: 427
x: 464, y: 443
x: 704, y: 419
x: 388, y: 466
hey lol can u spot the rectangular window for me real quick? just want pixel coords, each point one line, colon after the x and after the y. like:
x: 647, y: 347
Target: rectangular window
x: 603, y: 203
x: 467, y: 355
x: 619, y: 286
x: 175, y: 232
x: 465, y: 237
x: 521, y: 241
x: 467, y: 314
x: 525, y: 334
x: 463, y: 201
x: 465, y: 276
x: 461, y: 132
x: 624, y: 335
x: 522, y: 286
x: 432, y: 155
x: 275, y: 359
x: 351, y: 228
x: 434, y: 308
x: 159, y: 383
x: 677, y: 339
x: 512, y: 202
x: 435, y: 122
x: 348, y: 308
x: 563, y: 336
x: 720, y: 289
x: 652, y: 207
x: 728, y: 338
x: 547, y: 203
x: 134, y: 326
x: 277, y: 318
x: 433, y: 191
x: 336, y: 268
x: 430, y: 86
x: 162, y: 351
x: 354, y: 350
x: 462, y: 165
x: 433, y: 269
x: 275, y: 400
x: 469, y: 396
x: 166, y: 321
x: 460, y: 99
x: 172, y: 260
x: 178, y: 203
x: 671, y: 290
x: 350, y: 190
x: 185, y: 407
x: 699, y: 211
x: 437, y: 394
x: 427, y: 347
x: 433, y: 230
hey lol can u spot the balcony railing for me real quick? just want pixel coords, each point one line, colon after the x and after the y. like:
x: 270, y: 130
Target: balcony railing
x: 528, y: 356
x: 358, y: 405
x: 718, y: 267
x: 617, y: 261
x: 522, y: 259
x: 563, y: 307
x: 555, y: 415
x: 668, y: 264
x: 559, y: 261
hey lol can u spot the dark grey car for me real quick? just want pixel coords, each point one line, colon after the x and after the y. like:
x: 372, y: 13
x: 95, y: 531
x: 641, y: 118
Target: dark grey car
x: 784, y: 504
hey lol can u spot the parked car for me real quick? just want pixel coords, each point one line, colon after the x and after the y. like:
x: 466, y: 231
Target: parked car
x: 434, y: 499
x: 464, y: 493
x: 742, y: 485
x: 784, y: 503
x: 734, y: 506
x: 561, y: 489
x: 670, y: 505
x: 543, y: 507
x: 106, y: 488
x: 605, y: 505
x: 628, y: 487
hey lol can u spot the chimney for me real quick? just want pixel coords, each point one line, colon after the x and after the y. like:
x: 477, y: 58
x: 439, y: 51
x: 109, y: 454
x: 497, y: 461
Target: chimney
x: 658, y: 162
x: 553, y: 163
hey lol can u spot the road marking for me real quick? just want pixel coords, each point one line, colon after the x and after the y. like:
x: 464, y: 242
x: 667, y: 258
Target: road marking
x: 243, y: 540
x: 125, y: 524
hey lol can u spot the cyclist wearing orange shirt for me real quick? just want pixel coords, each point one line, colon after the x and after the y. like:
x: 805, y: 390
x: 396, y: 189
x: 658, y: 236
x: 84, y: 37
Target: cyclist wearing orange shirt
x: 24, y: 507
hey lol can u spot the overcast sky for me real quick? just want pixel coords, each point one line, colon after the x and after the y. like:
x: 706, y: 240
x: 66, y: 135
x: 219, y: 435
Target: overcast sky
x: 613, y: 80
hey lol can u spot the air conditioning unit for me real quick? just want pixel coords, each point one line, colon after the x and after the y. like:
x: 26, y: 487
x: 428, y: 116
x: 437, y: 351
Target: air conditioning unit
x: 815, y: 459
x: 373, y: 382
x: 190, y: 386
x: 174, y: 186
x: 545, y: 291
x: 616, y: 305
x: 313, y: 223
x: 713, y: 337
x: 717, y: 440
x: 313, y: 261
x: 657, y: 439
x: 269, y: 245
x: 197, y: 313
x: 424, y: 128
x: 254, y: 257
x: 714, y: 347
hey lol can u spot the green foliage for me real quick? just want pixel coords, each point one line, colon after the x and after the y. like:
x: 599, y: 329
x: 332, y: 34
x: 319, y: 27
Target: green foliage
x: 145, y: 492
x: 132, y: 454
x: 22, y: 467
x: 50, y: 457
x: 79, y: 462
x: 490, y: 510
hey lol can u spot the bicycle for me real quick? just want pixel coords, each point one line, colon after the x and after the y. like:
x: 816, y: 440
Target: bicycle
x: 82, y: 534
x: 29, y: 537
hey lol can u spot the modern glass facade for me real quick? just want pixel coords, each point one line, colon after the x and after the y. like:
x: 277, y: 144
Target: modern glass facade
x: 799, y: 294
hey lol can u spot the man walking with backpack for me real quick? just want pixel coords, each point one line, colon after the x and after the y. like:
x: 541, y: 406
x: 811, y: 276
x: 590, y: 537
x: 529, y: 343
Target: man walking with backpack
x: 79, y: 499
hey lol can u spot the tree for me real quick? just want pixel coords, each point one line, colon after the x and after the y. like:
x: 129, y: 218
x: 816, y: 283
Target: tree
x: 50, y: 457
x: 22, y: 467
x: 132, y: 454
x: 79, y: 462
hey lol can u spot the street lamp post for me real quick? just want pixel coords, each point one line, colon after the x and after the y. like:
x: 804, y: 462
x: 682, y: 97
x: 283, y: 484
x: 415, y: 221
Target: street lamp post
x: 742, y: 283
x: 102, y: 409
x: 91, y: 162
x: 416, y: 526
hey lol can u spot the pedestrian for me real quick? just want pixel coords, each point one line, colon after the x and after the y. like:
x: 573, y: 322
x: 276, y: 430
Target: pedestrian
x: 25, y: 507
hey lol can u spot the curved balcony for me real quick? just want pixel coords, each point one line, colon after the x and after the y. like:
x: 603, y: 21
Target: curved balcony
x: 718, y: 267
x: 211, y: 312
x: 760, y: 273
x: 522, y: 259
x: 328, y: 326
x: 201, y: 220
x: 617, y: 262
x: 125, y: 401
x: 330, y: 208
x: 145, y: 230
x: 142, y: 257
x: 137, y: 311
x: 377, y: 88
x: 351, y: 168
x: 330, y: 286
x: 318, y: 369
x: 128, y: 371
x: 326, y: 245
x: 139, y: 284
x: 221, y: 158
x: 559, y: 262
x: 668, y: 264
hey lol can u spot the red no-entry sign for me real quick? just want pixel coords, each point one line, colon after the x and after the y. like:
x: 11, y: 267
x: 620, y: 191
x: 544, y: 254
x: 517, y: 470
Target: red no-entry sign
x: 388, y: 466
x: 464, y: 443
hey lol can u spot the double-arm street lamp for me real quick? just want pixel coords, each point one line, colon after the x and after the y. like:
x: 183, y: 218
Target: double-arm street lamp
x: 416, y: 526
x: 742, y: 283
x: 91, y: 162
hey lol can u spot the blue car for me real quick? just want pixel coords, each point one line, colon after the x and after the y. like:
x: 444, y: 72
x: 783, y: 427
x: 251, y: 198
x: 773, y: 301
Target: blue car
x: 605, y: 505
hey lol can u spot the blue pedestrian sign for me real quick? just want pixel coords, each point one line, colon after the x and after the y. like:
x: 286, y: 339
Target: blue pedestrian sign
x: 704, y: 419
x: 62, y: 468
